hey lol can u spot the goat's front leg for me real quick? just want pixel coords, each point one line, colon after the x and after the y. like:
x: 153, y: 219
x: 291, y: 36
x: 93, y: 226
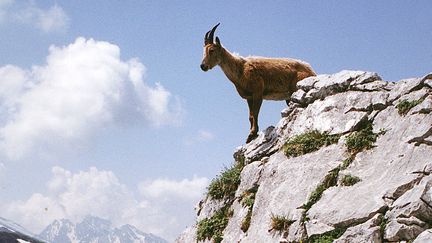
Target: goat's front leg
x: 254, y: 108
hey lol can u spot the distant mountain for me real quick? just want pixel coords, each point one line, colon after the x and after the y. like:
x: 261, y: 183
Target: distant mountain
x: 11, y: 232
x: 95, y: 230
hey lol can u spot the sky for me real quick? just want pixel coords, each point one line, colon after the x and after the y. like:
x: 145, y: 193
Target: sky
x: 105, y: 111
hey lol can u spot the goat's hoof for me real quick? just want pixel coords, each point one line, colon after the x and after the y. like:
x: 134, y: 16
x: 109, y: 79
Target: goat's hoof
x: 251, y: 137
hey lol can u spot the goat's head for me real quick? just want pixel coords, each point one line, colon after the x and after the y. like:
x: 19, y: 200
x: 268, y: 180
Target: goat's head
x: 212, y: 50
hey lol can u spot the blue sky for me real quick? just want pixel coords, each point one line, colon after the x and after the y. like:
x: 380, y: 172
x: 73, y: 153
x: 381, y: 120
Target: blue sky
x: 189, y: 122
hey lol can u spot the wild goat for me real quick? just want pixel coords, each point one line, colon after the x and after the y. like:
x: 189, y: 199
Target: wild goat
x: 255, y: 78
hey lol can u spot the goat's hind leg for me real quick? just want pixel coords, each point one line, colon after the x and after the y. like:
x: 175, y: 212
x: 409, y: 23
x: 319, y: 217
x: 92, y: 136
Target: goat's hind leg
x: 256, y: 105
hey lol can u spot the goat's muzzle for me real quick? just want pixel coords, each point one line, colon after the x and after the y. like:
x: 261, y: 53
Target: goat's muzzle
x: 204, y: 67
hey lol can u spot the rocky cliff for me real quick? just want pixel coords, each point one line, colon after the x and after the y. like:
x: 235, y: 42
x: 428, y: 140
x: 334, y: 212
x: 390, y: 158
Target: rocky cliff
x: 350, y: 161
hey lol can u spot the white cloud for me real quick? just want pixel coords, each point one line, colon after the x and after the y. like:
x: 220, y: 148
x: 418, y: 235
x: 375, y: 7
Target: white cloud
x: 165, y: 188
x: 48, y: 20
x: 82, y: 87
x: 101, y: 194
x: 53, y: 19
x: 205, y: 135
x: 199, y: 137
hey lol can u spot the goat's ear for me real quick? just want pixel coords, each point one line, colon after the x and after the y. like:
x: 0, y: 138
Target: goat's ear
x: 218, y: 41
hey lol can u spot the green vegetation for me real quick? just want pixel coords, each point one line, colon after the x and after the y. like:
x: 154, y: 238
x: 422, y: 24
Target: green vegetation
x: 225, y: 185
x: 308, y: 142
x: 248, y: 200
x: 248, y: 197
x: 329, y: 181
x: 383, y: 223
x: 356, y: 142
x: 280, y: 224
x: 347, y: 161
x: 246, y: 221
x: 362, y: 139
x: 212, y: 228
x: 315, y: 196
x: 327, y: 237
x: 404, y: 106
x: 349, y: 180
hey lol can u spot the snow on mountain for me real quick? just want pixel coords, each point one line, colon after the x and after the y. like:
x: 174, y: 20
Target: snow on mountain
x: 12, y: 232
x: 95, y: 230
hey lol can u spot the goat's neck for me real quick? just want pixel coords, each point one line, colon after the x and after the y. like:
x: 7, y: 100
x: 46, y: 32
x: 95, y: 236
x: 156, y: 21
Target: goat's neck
x: 232, y: 66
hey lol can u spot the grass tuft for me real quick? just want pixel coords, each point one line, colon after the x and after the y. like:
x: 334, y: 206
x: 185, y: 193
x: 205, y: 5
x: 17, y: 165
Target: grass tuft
x: 327, y: 237
x: 212, y: 228
x: 383, y: 224
x: 347, y: 161
x: 225, y: 185
x: 404, y: 106
x: 329, y: 181
x: 280, y: 224
x: 248, y: 200
x: 246, y: 222
x: 248, y: 197
x: 308, y: 142
x: 349, y: 180
x: 362, y: 139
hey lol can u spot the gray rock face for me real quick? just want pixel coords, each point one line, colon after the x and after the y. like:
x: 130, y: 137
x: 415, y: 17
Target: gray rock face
x: 366, y: 232
x: 424, y: 237
x: 392, y: 199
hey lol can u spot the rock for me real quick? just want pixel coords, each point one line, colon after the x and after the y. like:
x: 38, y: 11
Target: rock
x: 424, y: 237
x: 423, y: 108
x: 208, y: 207
x: 233, y: 232
x: 366, y: 232
x: 250, y: 175
x: 394, y: 191
x: 428, y: 82
x: 316, y: 227
x: 308, y: 83
x: 299, y: 96
x: 414, y: 96
x: 378, y: 85
x: 188, y: 235
x: 410, y: 212
x: 321, y: 86
x: 263, y: 145
x: 284, y: 186
x: 404, y: 87
x: 321, y: 114
x: 291, y: 107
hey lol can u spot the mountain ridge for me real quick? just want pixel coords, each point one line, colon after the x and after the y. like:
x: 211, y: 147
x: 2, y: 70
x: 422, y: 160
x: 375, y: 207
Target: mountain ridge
x: 13, y: 232
x: 94, y: 229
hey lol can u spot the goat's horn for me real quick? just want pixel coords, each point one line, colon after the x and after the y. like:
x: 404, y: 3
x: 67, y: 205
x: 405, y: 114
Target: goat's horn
x: 206, y: 38
x: 212, y: 33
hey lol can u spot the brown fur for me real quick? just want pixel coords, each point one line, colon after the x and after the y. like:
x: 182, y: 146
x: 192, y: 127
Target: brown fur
x: 257, y: 78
